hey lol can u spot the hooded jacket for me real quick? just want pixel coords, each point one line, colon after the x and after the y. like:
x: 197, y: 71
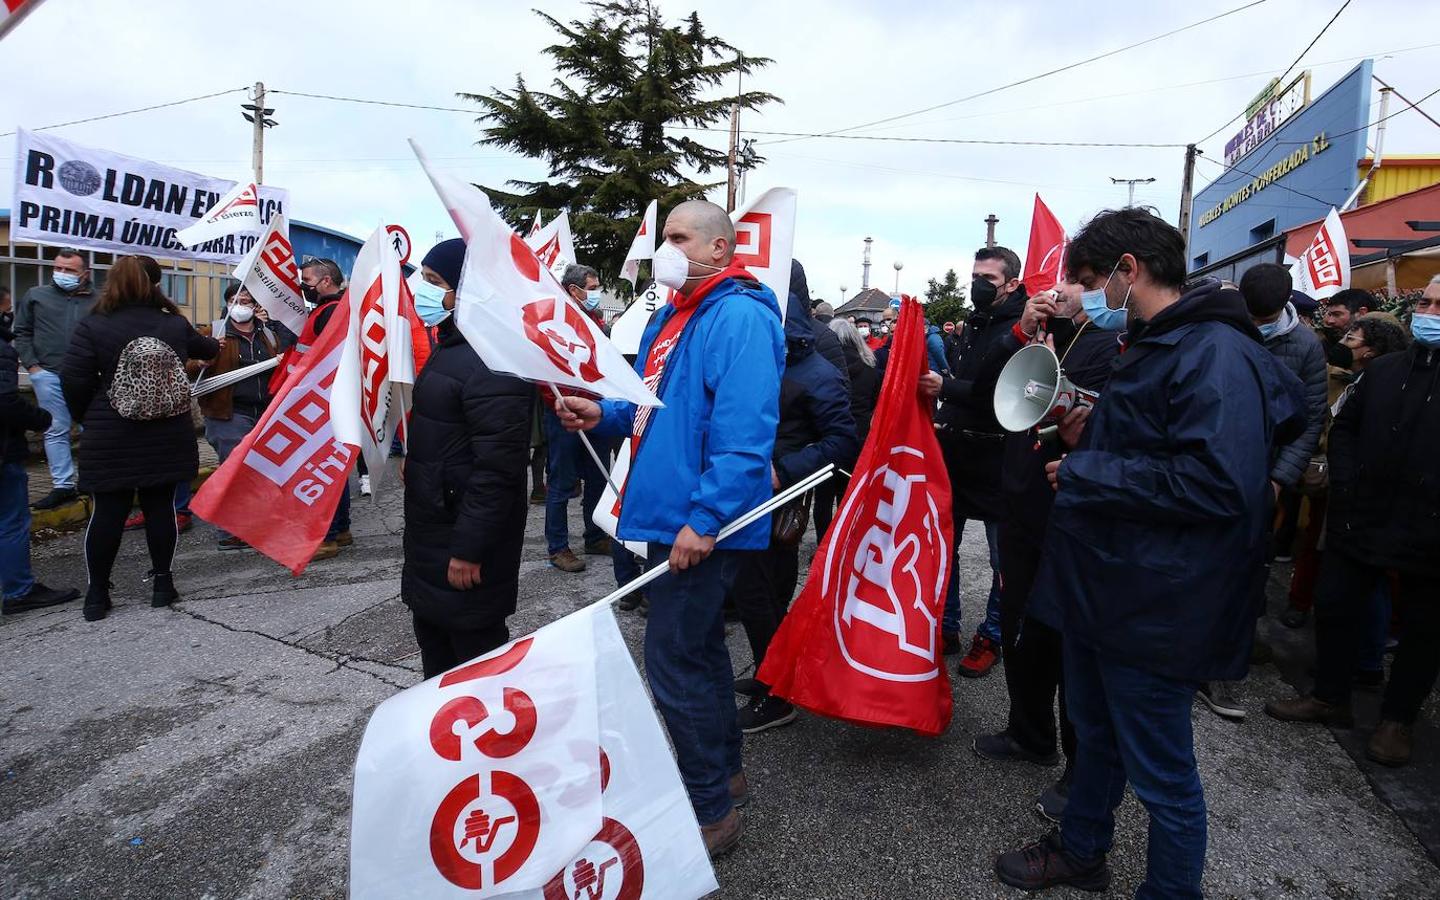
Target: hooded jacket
x: 816, y: 425
x: 704, y: 458
x: 465, y: 491
x: 827, y: 343
x: 1384, y: 489
x: 1156, y: 545
x: 1299, y: 350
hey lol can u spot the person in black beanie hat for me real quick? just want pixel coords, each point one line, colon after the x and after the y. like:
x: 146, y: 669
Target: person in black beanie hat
x: 465, y: 497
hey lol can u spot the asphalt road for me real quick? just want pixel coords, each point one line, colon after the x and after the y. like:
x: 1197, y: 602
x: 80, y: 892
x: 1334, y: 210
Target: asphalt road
x: 206, y: 751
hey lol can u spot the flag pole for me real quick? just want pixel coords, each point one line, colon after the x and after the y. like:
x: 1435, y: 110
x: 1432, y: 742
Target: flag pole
x: 764, y: 509
x: 584, y: 439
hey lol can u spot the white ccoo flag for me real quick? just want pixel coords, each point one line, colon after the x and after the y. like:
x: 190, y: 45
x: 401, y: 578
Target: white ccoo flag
x: 1324, y: 268
x: 643, y: 247
x: 554, y: 244
x: 269, y: 273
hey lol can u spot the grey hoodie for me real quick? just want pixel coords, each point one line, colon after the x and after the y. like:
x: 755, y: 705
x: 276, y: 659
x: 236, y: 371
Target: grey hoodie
x: 44, y: 320
x: 1300, y: 351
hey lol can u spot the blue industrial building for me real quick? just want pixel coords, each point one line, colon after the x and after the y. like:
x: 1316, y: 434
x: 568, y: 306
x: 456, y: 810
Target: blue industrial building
x: 1294, y: 176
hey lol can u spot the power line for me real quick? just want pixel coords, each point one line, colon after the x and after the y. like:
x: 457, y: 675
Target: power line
x: 1409, y: 106
x: 130, y: 112
x: 1283, y: 75
x: 1029, y: 79
x: 378, y: 102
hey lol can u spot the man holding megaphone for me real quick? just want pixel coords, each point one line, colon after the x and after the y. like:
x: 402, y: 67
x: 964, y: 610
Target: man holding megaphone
x: 1053, y: 321
x: 1154, y: 557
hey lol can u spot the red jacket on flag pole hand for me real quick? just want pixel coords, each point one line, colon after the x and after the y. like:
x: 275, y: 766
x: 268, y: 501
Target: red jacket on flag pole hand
x: 1046, y: 251
x: 862, y: 641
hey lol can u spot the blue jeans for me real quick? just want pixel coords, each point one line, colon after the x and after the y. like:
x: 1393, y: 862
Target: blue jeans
x: 1132, y: 725
x: 15, y: 575
x: 223, y: 436
x: 627, y: 564
x: 950, y: 621
x: 688, y: 668
x: 568, y: 462
x: 57, y: 437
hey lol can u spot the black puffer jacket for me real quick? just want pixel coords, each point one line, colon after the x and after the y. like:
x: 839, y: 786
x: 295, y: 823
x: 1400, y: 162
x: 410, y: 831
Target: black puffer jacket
x: 1297, y: 347
x: 864, y: 391
x: 16, y: 416
x: 816, y: 426
x: 465, y: 494
x: 116, y: 453
x: 1384, y: 488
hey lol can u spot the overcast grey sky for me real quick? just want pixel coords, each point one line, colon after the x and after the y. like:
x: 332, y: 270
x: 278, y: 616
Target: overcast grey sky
x: 837, y: 64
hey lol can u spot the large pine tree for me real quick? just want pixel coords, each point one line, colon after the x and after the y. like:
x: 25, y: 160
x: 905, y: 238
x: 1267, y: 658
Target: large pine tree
x: 618, y: 129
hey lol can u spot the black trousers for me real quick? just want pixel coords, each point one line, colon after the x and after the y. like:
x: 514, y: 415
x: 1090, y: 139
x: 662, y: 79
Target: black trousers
x: 1033, y: 664
x: 442, y: 649
x: 108, y: 512
x: 1346, y: 588
x: 763, y: 589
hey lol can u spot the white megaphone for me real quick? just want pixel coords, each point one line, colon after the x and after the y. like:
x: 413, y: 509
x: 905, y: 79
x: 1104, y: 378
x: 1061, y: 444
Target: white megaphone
x: 1033, y: 390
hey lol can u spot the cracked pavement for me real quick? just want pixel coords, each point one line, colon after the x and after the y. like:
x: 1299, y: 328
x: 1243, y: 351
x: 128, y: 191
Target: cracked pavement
x: 206, y: 751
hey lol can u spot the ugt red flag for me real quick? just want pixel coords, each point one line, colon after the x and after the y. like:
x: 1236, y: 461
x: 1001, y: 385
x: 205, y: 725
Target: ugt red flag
x: 862, y: 641
x: 1046, y: 252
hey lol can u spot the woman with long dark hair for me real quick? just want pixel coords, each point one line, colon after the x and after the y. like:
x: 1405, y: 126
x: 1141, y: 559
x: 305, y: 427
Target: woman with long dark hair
x: 124, y: 380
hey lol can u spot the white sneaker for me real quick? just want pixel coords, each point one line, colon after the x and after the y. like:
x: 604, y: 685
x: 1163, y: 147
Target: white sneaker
x: 364, y: 485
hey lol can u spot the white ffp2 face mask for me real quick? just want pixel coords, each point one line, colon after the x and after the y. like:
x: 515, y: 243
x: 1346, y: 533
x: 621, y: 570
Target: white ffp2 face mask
x: 670, y: 266
x: 241, y: 314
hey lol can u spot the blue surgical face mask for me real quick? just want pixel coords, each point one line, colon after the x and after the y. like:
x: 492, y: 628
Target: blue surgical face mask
x: 592, y: 299
x: 1268, y: 329
x: 66, y: 281
x: 1099, y: 311
x: 429, y: 302
x: 1425, y: 329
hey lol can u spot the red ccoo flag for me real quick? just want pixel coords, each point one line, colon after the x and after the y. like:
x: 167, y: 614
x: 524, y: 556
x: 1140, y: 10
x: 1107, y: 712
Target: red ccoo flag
x: 862, y: 641
x: 1046, y: 252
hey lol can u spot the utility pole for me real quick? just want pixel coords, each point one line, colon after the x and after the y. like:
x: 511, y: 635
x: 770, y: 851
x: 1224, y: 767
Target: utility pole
x: 1132, y: 182
x: 732, y: 180
x: 258, y: 115
x: 990, y: 222
x: 1187, y: 192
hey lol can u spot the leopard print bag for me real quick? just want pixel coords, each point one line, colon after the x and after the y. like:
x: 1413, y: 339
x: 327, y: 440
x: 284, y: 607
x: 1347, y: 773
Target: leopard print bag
x: 149, y: 382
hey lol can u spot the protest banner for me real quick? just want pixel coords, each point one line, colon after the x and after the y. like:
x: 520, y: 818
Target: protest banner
x: 538, y: 771
x: 70, y: 195
x: 1323, y: 270
x: 862, y: 641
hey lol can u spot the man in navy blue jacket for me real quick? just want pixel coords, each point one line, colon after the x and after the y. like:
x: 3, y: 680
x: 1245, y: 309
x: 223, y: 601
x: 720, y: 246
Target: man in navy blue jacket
x: 1155, y: 552
x: 714, y: 356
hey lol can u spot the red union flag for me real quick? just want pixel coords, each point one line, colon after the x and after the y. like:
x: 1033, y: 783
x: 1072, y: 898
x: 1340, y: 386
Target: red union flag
x: 537, y: 772
x: 1324, y: 268
x: 514, y: 313
x: 269, y: 273
x: 278, y: 490
x: 862, y: 641
x: 1046, y: 252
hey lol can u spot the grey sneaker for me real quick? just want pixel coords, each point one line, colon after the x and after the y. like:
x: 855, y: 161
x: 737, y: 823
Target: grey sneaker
x: 1219, y: 696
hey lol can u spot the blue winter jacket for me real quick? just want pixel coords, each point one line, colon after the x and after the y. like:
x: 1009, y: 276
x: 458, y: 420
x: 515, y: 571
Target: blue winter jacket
x: 704, y: 459
x: 935, y: 350
x: 1156, y: 545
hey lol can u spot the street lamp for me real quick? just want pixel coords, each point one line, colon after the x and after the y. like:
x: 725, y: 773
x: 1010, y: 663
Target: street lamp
x: 843, y: 289
x: 898, y: 266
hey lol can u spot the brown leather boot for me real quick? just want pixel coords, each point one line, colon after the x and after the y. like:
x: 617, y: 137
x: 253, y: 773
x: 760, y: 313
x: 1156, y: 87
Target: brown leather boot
x: 722, y: 836
x: 567, y: 561
x: 739, y: 789
x: 1310, y: 709
x: 1390, y: 745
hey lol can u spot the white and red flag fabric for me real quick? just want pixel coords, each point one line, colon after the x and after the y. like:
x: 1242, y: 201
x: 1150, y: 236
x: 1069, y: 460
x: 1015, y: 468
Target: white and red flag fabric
x: 514, y: 313
x: 554, y: 244
x: 12, y: 11
x: 238, y: 212
x: 271, y: 276
x: 538, y: 771
x: 279, y: 488
x: 1046, y: 253
x: 1324, y: 268
x: 535, y: 225
x: 765, y: 240
x: 643, y: 247
x: 862, y: 641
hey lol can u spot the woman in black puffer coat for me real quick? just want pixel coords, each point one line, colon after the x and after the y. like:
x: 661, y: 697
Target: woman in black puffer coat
x: 121, y: 457
x: 465, y: 488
